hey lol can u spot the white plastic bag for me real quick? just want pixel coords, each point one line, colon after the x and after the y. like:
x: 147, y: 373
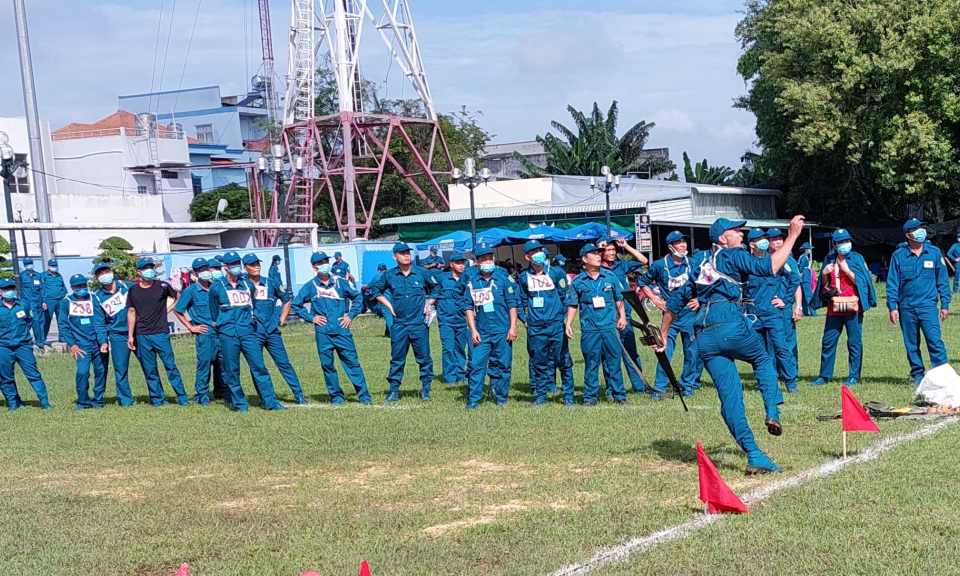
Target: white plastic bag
x: 940, y: 387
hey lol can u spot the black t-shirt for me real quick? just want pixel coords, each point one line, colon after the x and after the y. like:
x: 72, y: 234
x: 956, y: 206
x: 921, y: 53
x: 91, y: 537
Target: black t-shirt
x: 151, y: 307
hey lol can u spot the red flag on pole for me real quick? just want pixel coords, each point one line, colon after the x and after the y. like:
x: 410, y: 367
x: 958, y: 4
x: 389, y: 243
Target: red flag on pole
x: 713, y: 490
x: 855, y: 418
x: 364, y: 568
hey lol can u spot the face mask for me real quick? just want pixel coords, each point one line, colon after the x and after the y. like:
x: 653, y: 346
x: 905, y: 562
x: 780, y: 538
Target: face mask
x: 762, y: 245
x: 206, y: 275
x: 920, y: 235
x: 9, y: 294
x: 236, y: 270
x: 106, y: 279
x: 487, y: 267
x: 53, y: 268
x: 217, y: 274
x: 324, y: 269
x: 148, y: 274
x: 844, y: 248
x: 678, y: 253
x: 30, y: 266
x: 539, y: 258
x: 81, y: 292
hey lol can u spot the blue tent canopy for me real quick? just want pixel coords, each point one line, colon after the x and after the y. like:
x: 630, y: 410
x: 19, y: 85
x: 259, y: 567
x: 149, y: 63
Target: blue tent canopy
x: 589, y: 231
x: 541, y: 232
x: 498, y: 236
x: 457, y: 241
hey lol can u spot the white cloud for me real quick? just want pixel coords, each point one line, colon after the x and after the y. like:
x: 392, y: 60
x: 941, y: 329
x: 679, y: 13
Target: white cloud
x: 673, y: 120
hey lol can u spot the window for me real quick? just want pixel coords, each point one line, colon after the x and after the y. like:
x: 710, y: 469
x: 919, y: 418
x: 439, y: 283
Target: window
x: 141, y: 189
x: 20, y: 185
x: 169, y: 174
x: 197, y: 186
x: 205, y: 133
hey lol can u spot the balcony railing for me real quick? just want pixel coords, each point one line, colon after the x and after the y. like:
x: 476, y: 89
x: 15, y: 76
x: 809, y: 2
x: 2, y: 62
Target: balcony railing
x: 161, y: 133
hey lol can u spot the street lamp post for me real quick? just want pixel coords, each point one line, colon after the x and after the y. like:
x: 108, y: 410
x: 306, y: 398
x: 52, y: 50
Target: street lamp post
x: 470, y: 178
x: 8, y: 165
x: 275, y: 167
x: 610, y: 183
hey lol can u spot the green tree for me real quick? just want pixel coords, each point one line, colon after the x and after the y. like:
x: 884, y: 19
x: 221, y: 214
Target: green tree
x: 857, y: 103
x: 702, y: 173
x: 203, y: 208
x: 115, y: 250
x: 595, y: 144
x: 4, y: 245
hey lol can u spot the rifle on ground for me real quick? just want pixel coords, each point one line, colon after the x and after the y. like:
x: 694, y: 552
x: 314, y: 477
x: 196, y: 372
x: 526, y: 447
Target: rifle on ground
x: 650, y: 335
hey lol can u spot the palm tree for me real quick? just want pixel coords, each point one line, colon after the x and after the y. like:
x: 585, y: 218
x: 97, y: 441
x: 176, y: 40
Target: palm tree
x: 702, y: 173
x: 595, y: 144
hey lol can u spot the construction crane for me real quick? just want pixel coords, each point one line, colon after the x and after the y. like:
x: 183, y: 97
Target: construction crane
x: 334, y: 149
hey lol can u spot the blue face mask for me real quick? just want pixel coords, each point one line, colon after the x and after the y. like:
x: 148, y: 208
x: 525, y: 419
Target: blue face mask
x: 324, y: 269
x: 920, y: 234
x: 539, y: 258
x: 105, y: 278
x: 30, y: 266
x: 217, y: 274
x: 9, y: 294
x: 53, y: 268
x: 236, y: 270
x: 206, y: 275
x: 81, y: 292
x: 762, y: 245
x: 844, y: 248
x: 148, y: 273
x: 488, y: 267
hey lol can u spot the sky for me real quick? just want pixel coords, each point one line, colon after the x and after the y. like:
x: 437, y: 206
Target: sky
x: 516, y: 63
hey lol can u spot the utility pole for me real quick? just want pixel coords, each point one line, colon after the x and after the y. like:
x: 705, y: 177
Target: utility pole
x: 33, y: 130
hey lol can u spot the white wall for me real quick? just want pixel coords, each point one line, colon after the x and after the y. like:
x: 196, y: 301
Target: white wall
x: 502, y: 193
x: 16, y: 129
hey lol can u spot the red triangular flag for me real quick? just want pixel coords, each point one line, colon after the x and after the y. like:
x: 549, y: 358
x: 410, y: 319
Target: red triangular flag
x: 855, y: 418
x: 364, y: 568
x: 713, y: 490
x: 184, y: 570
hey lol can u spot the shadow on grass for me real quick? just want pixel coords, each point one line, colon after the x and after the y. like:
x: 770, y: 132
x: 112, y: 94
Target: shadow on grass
x: 678, y: 451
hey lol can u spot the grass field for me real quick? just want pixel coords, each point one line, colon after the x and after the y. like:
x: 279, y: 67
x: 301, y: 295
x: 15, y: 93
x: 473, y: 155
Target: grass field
x: 434, y: 489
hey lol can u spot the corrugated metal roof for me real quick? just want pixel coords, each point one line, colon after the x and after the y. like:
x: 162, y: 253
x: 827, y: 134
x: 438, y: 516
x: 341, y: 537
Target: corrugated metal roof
x: 706, y: 222
x: 513, y: 212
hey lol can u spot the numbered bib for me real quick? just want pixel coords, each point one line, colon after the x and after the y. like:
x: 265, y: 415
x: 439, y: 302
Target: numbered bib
x: 708, y: 275
x: 677, y: 282
x: 239, y: 297
x: 114, y: 304
x: 537, y: 283
x: 262, y: 293
x: 330, y: 293
x: 82, y: 309
x: 482, y: 298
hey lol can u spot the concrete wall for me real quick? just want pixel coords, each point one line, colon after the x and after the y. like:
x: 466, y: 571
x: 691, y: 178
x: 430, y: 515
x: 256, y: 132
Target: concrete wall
x: 16, y: 129
x: 502, y: 194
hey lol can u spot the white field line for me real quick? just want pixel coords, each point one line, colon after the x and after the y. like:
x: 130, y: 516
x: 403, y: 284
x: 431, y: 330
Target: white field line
x: 618, y: 553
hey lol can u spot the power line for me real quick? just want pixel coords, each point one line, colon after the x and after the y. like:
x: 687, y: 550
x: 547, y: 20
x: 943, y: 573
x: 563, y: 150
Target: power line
x: 187, y: 57
x: 117, y: 188
x: 166, y: 50
x: 156, y: 54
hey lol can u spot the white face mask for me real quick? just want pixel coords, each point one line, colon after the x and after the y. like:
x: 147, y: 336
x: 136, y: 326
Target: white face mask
x: 678, y: 253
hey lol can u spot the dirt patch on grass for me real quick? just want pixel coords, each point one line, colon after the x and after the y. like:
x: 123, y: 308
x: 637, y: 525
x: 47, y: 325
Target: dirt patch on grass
x: 241, y: 504
x: 489, y: 514
x: 121, y: 494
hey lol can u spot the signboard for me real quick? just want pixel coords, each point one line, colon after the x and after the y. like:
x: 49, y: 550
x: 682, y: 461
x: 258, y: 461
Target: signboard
x: 642, y: 232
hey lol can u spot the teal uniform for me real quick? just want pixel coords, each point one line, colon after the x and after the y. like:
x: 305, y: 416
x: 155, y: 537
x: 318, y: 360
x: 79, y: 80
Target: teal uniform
x: 231, y: 308
x: 32, y: 297
x: 82, y: 323
x: 333, y: 299
x: 761, y: 289
x: 433, y: 260
x: 195, y: 302
x: 953, y: 254
x: 268, y: 304
x: 114, y: 306
x: 454, y: 333
x: 915, y: 287
x: 671, y: 277
x: 543, y: 308
x: 806, y: 278
x: 628, y: 340
x: 491, y: 299
x: 597, y: 299
x: 15, y: 348
x: 54, y: 291
x: 341, y: 269
x: 408, y: 295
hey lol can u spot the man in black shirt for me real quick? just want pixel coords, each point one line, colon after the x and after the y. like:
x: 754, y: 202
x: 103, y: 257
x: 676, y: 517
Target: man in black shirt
x: 148, y: 332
